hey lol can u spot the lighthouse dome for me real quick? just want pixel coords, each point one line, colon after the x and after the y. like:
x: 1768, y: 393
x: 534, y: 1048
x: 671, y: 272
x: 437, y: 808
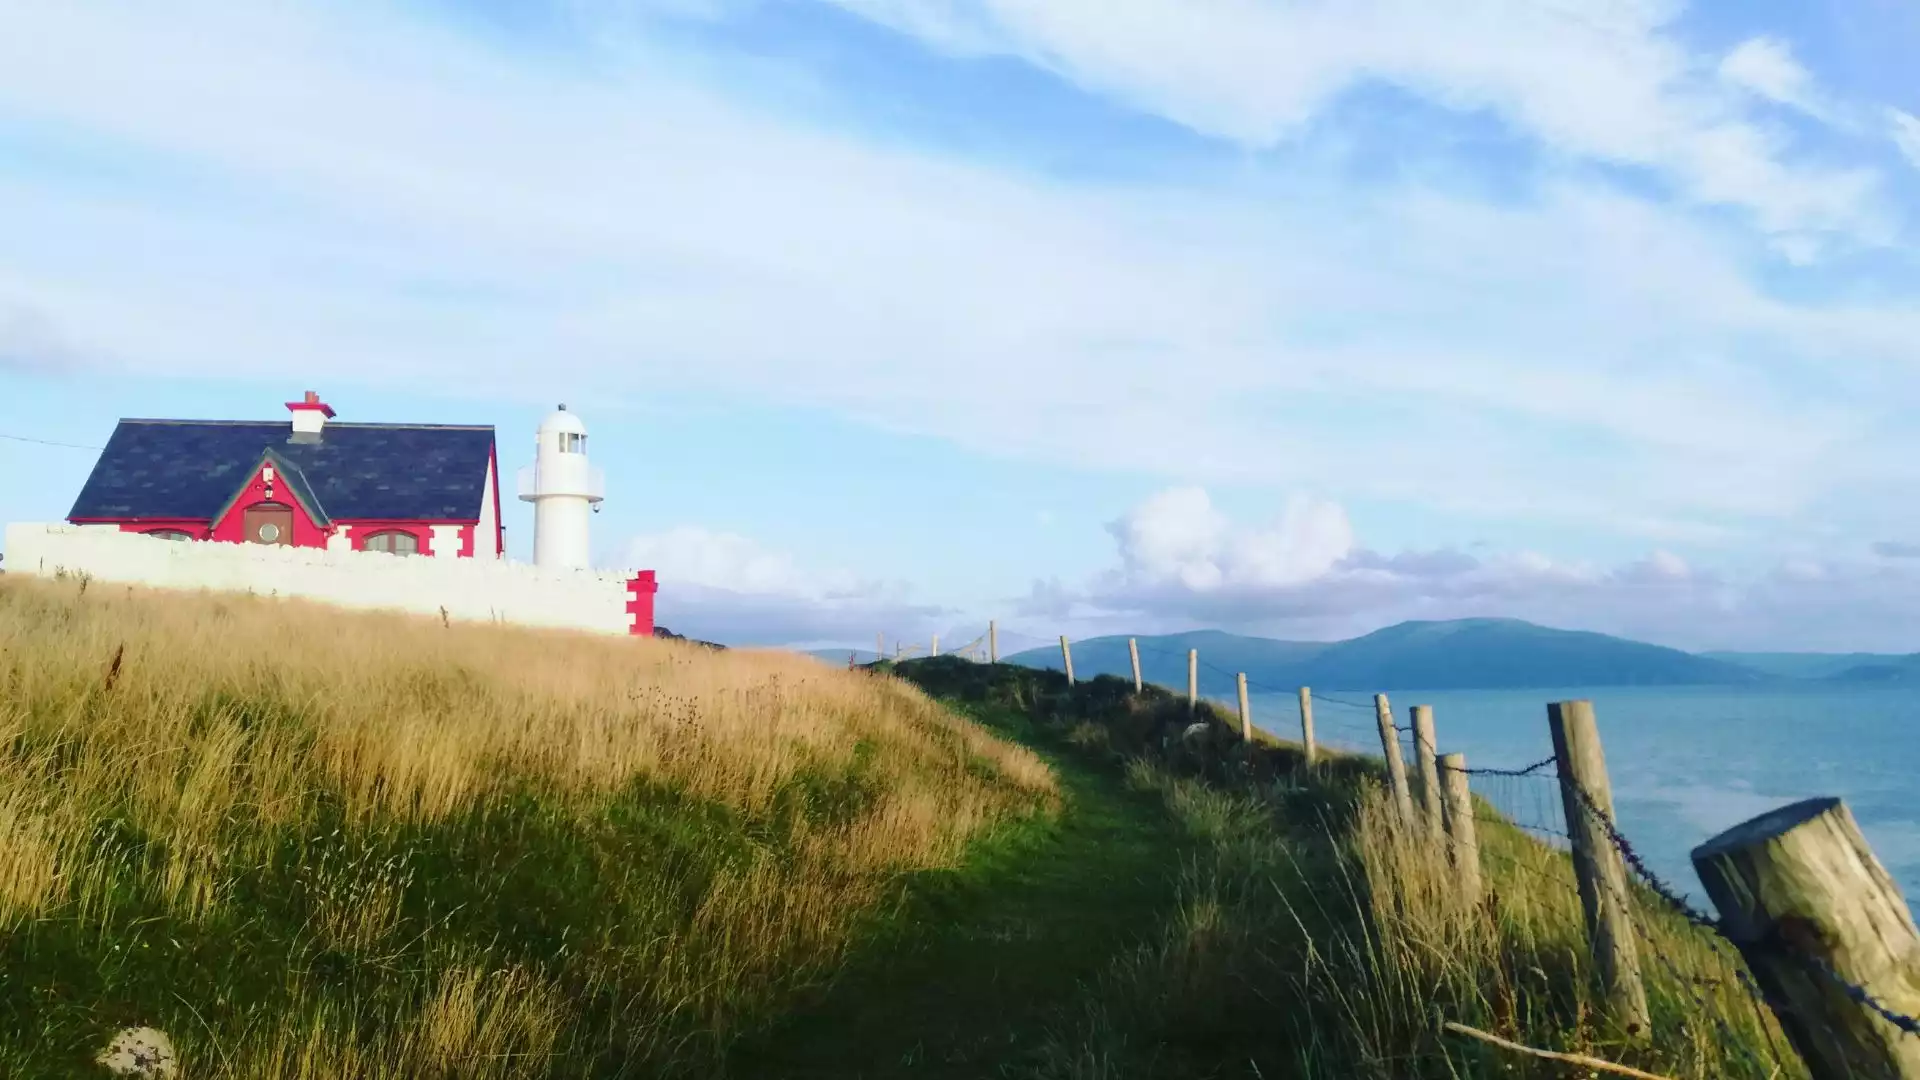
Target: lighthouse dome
x: 560, y: 420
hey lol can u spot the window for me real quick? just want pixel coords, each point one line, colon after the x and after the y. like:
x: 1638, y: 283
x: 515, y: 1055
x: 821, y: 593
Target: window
x: 394, y: 542
x: 170, y: 534
x: 572, y: 442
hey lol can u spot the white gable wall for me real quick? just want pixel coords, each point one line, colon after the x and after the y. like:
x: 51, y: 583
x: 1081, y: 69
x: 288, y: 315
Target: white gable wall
x: 486, y: 535
x: 479, y: 589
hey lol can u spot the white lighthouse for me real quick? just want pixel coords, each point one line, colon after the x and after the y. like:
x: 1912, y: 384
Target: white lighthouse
x: 564, y: 491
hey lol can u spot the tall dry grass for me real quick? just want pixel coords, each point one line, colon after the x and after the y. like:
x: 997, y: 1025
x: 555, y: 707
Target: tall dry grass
x: 460, y: 850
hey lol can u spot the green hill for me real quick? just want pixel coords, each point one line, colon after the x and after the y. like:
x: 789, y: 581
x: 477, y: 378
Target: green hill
x: 1459, y: 654
x: 1811, y: 665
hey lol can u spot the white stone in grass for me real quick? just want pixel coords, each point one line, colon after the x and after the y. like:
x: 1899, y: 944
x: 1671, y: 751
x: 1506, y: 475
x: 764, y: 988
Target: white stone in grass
x: 143, y: 1052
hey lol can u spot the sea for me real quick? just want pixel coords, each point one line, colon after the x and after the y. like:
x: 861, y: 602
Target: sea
x: 1685, y: 762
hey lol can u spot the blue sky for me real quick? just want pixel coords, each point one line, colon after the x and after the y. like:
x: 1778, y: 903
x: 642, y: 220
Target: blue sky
x: 897, y: 315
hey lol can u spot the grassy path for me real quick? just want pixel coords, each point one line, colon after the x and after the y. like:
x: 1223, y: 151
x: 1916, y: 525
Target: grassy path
x: 980, y: 963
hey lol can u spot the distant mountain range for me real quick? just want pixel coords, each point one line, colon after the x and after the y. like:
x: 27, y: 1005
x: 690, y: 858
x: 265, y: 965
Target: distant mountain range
x: 1453, y: 655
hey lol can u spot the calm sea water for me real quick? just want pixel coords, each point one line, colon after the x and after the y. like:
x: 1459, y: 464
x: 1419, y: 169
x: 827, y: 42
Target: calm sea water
x: 1686, y: 762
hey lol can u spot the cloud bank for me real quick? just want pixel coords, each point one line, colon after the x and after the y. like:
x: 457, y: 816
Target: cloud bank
x: 724, y: 587
x: 1305, y: 575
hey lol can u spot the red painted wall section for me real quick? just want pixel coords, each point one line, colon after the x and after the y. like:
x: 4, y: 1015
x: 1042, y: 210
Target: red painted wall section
x: 640, y: 589
x: 358, y: 531
x: 422, y: 531
x: 499, y: 519
x: 232, y: 528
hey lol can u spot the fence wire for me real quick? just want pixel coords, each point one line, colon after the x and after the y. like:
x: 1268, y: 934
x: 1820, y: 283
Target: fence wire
x: 1677, y: 905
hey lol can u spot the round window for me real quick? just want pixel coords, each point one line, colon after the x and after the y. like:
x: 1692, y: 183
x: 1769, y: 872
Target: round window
x: 269, y: 532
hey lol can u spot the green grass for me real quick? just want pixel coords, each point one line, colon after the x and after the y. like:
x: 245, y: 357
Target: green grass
x: 1308, y: 938
x: 969, y: 976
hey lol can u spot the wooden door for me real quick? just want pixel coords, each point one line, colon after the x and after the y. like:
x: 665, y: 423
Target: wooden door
x: 269, y: 523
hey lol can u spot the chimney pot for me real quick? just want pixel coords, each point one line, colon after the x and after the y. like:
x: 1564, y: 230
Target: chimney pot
x: 313, y: 398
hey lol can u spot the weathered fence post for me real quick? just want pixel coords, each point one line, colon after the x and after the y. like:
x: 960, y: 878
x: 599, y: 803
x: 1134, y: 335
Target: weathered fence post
x: 935, y: 651
x: 1596, y: 861
x: 1423, y: 758
x: 1798, y: 890
x: 1462, y: 841
x: 879, y: 646
x: 1306, y: 722
x: 1133, y: 654
x: 1396, y: 765
x: 993, y: 642
x: 1193, y: 681
x: 1066, y: 654
x: 1246, y: 714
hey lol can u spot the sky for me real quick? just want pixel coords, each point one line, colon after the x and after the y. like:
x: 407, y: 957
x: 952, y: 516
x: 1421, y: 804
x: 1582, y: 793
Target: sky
x: 891, y: 317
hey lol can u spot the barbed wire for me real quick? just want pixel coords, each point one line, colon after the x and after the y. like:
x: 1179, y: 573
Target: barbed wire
x: 1525, y: 771
x: 1858, y: 994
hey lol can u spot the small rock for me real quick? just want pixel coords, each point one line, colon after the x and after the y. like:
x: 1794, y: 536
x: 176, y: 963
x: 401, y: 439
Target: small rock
x: 142, y: 1052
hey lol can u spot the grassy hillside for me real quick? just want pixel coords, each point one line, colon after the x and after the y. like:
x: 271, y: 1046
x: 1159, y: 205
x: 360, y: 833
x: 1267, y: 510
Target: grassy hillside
x: 1459, y: 654
x: 307, y: 843
x: 1314, y: 940
x: 321, y: 845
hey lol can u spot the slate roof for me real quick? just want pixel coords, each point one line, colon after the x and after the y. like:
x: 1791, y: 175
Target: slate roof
x: 192, y: 468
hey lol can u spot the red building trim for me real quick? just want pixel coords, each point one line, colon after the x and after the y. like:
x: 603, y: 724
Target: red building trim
x: 499, y: 516
x: 311, y: 403
x: 231, y: 527
x: 420, y: 530
x: 640, y: 589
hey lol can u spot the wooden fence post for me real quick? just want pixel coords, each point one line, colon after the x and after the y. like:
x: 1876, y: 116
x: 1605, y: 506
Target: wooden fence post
x: 1306, y: 723
x: 879, y: 647
x: 1596, y: 861
x: 993, y: 642
x: 1193, y: 681
x: 1462, y: 841
x: 1396, y: 765
x: 936, y: 645
x: 1133, y: 654
x: 1798, y: 888
x: 1246, y: 714
x: 1423, y: 759
x: 1066, y: 654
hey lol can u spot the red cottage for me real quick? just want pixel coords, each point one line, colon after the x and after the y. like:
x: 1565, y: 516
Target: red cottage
x: 408, y: 489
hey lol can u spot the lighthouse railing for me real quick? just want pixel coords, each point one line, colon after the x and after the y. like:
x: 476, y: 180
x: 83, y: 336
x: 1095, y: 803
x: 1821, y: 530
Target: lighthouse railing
x: 571, y: 479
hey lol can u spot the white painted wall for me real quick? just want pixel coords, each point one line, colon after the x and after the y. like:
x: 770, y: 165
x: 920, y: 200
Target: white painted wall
x: 446, y: 541
x: 473, y: 589
x: 486, y: 535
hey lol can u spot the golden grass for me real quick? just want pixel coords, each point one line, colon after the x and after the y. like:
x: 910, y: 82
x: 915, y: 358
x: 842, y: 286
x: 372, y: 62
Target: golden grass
x: 240, y: 734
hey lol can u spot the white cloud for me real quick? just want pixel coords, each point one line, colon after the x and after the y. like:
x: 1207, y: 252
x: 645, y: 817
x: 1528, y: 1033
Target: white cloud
x: 1765, y: 66
x: 1212, y: 572
x: 1576, y: 354
x: 1905, y: 130
x: 1176, y: 537
x: 724, y: 587
x: 1597, y: 79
